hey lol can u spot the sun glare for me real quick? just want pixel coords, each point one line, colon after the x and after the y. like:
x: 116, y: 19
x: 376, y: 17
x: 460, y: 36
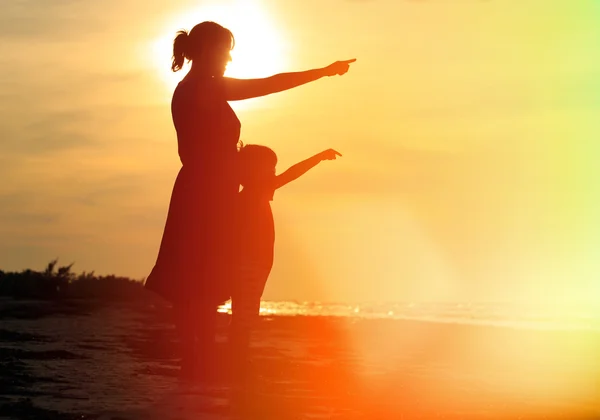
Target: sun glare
x: 259, y: 47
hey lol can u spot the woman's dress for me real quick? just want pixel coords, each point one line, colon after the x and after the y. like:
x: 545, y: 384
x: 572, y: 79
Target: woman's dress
x: 195, y: 259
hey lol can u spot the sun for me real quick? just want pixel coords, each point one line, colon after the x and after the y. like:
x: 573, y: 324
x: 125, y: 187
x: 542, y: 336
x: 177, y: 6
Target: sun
x: 259, y: 45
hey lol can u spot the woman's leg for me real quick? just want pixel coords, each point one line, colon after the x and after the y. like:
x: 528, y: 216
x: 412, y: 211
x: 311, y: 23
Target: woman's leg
x: 196, y: 326
x: 187, y: 342
x: 206, y: 349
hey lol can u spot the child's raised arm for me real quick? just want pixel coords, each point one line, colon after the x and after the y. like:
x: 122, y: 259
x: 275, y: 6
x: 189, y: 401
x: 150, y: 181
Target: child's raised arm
x: 299, y: 169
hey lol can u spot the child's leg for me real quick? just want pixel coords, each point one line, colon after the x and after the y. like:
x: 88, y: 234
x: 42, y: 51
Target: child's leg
x: 245, y: 308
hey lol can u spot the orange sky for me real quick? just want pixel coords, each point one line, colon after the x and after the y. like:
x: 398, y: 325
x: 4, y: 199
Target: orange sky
x: 468, y: 131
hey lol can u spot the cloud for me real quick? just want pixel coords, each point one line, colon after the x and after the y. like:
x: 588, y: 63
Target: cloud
x: 24, y: 82
x: 25, y: 214
x: 88, y: 209
x: 90, y: 129
x: 49, y: 20
x: 48, y: 133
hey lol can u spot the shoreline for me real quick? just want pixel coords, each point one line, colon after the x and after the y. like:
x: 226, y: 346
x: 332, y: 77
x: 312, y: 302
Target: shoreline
x: 75, y: 305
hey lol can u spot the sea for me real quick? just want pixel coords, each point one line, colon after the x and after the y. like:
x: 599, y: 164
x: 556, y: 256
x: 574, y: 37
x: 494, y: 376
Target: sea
x: 119, y: 361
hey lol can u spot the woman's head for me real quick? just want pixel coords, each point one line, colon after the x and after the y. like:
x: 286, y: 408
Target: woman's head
x: 208, y: 44
x: 256, y: 165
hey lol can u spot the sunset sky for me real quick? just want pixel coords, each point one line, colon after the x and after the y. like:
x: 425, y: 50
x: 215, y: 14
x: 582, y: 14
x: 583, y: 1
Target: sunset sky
x: 469, y: 132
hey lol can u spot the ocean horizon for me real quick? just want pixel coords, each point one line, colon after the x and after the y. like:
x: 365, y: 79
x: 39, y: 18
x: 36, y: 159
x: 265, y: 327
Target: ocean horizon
x: 535, y: 316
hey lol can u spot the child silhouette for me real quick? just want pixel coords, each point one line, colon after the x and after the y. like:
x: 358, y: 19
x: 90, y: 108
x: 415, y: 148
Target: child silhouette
x: 256, y: 239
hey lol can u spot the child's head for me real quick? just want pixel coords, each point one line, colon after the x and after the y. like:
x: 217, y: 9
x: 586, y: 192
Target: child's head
x: 257, y: 165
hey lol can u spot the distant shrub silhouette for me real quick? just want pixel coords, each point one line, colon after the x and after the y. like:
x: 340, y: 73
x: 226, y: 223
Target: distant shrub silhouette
x: 62, y: 283
x: 105, y: 287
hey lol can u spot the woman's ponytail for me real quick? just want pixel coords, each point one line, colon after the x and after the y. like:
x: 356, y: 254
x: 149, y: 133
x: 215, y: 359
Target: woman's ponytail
x: 180, y: 50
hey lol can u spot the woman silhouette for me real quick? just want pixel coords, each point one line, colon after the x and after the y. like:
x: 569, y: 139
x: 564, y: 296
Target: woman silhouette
x: 195, y: 259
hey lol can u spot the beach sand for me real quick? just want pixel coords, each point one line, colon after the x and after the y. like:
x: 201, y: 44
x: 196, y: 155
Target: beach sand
x: 92, y: 360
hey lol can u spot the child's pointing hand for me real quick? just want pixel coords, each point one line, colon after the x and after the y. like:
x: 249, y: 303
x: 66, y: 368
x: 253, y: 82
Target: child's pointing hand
x: 329, y: 154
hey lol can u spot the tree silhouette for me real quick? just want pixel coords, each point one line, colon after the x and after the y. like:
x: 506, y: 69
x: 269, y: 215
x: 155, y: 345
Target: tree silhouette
x: 59, y: 282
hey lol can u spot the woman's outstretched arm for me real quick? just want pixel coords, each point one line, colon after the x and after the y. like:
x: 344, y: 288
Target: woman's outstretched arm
x: 239, y: 89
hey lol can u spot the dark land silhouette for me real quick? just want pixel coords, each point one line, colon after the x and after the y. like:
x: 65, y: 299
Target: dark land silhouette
x: 57, y: 282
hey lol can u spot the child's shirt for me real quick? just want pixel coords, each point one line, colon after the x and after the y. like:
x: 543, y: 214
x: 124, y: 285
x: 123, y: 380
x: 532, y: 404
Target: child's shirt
x: 256, y: 229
